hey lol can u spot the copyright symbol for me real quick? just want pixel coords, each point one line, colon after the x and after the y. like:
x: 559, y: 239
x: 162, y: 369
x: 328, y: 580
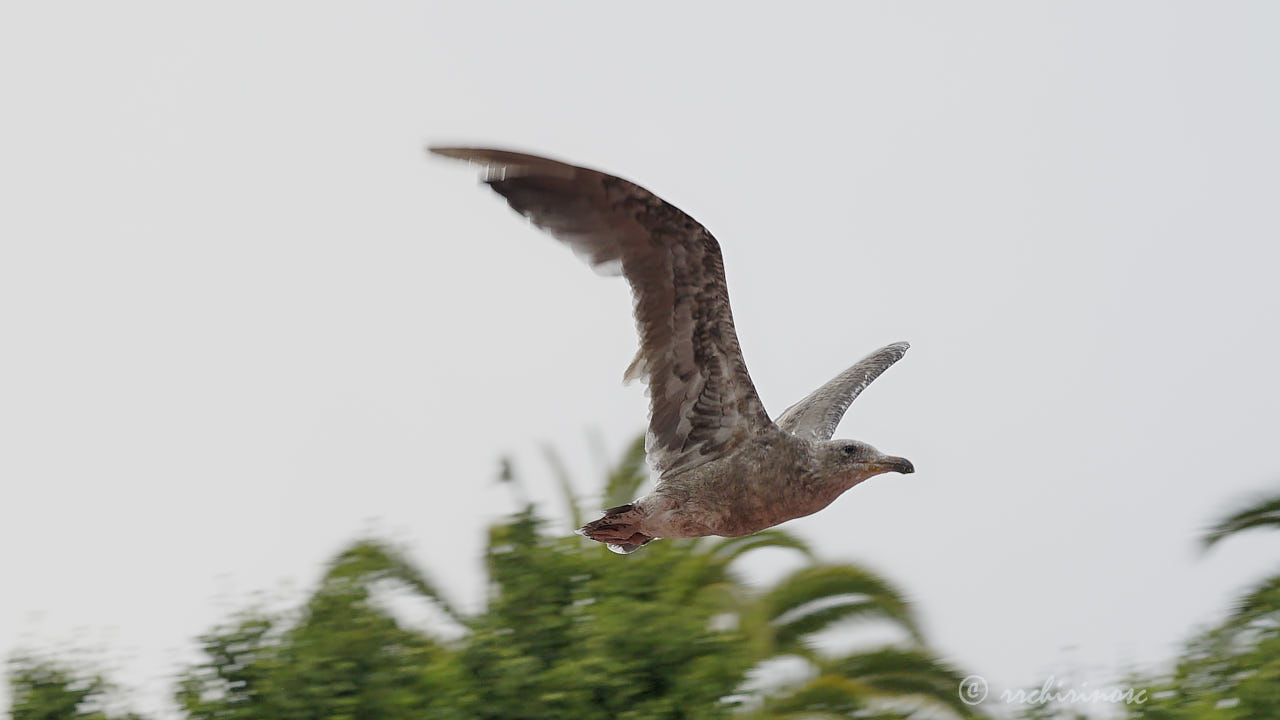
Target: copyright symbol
x: 973, y: 690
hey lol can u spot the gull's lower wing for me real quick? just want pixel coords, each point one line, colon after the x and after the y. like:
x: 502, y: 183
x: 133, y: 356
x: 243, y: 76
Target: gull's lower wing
x: 702, y: 401
x: 816, y: 416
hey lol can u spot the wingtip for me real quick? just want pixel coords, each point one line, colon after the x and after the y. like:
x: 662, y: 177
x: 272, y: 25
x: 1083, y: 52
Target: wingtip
x: 891, y: 353
x: 449, y: 151
x: 505, y: 163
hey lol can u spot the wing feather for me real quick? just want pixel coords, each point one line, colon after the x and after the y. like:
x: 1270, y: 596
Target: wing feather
x: 702, y: 401
x: 817, y: 415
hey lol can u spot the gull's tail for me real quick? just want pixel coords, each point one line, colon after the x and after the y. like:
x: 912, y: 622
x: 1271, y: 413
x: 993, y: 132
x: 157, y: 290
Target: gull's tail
x: 619, y: 529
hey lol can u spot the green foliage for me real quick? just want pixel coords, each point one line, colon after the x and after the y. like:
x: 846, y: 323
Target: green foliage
x: 1223, y: 674
x: 569, y: 632
x: 46, y: 690
x: 1050, y: 710
x: 1233, y: 670
x: 879, y: 683
x: 1261, y: 513
x: 906, y: 673
x: 344, y: 657
x: 818, y: 596
x: 828, y: 695
x: 572, y: 632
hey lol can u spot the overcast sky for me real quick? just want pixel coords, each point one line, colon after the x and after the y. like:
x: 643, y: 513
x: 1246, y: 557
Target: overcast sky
x: 245, y: 320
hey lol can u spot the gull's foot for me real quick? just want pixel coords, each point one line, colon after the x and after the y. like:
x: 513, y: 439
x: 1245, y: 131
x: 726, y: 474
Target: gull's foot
x: 619, y: 529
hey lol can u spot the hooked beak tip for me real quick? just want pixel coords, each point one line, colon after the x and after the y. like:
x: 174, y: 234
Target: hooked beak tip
x: 898, y: 465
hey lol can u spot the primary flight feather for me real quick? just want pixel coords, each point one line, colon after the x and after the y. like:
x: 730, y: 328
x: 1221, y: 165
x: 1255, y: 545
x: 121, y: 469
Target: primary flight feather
x: 724, y: 467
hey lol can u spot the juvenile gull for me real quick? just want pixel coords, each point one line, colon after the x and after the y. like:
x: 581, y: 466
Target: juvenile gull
x: 724, y: 468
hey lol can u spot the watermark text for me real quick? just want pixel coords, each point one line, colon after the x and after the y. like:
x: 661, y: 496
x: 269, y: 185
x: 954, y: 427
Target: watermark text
x: 974, y: 689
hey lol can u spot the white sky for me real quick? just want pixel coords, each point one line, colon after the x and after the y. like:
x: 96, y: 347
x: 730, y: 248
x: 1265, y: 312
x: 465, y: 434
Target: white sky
x: 244, y: 319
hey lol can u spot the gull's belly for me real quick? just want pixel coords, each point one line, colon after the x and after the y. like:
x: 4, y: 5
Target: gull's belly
x: 721, y: 504
x: 766, y: 504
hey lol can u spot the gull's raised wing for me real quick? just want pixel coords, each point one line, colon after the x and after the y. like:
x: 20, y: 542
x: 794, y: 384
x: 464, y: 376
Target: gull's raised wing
x: 702, y: 403
x: 816, y: 416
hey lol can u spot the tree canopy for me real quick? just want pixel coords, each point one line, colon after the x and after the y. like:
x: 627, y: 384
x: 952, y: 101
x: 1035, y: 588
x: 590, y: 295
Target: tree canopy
x: 572, y: 632
x: 569, y: 631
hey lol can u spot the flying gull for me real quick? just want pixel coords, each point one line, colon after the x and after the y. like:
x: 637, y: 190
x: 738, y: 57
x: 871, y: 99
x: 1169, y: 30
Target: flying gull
x: 724, y: 468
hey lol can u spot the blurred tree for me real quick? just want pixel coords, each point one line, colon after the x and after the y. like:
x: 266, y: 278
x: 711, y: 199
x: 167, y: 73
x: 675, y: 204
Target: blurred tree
x: 345, y: 656
x: 1223, y: 674
x: 1261, y: 513
x: 1049, y: 710
x: 1232, y: 670
x: 569, y: 632
x: 43, y: 689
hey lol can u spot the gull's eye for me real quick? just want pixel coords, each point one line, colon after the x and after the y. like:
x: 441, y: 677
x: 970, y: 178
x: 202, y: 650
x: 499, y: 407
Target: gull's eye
x: 849, y: 450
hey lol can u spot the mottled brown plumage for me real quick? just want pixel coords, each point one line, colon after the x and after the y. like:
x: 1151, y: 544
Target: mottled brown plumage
x: 724, y: 467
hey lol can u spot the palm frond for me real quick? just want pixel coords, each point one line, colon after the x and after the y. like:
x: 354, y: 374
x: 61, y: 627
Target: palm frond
x: 368, y: 561
x: 816, y: 597
x: 1261, y: 602
x: 708, y: 561
x: 729, y: 549
x: 903, y: 673
x: 1262, y: 512
x: 834, y: 694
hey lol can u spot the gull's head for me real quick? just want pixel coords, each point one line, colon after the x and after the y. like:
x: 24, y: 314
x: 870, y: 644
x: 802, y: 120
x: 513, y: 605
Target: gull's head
x: 858, y: 461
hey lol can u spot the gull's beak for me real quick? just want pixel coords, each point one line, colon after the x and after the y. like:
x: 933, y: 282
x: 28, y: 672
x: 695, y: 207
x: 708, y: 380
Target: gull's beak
x: 890, y: 463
